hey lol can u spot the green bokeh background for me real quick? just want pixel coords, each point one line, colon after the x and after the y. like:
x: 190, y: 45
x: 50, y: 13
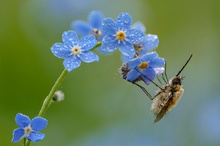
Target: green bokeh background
x: 101, y: 109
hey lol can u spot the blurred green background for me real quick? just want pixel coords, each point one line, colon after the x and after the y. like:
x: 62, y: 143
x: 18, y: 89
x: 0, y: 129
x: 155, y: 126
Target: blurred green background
x: 101, y: 109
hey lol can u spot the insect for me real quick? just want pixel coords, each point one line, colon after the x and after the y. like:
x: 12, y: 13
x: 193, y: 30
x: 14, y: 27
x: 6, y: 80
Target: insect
x: 167, y: 96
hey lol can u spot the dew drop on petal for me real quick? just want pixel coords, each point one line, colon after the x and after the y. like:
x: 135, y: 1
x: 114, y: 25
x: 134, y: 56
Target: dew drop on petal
x: 132, y: 49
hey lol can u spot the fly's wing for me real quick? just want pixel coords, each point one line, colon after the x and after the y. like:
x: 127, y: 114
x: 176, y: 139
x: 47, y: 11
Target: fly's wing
x: 171, y: 103
x: 160, y: 101
x: 163, y: 111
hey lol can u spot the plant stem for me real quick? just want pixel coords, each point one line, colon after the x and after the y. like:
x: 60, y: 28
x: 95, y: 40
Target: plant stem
x: 98, y: 44
x: 27, y: 142
x: 48, y: 99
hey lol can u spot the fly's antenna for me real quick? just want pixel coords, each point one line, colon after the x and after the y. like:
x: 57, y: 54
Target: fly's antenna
x: 185, y: 65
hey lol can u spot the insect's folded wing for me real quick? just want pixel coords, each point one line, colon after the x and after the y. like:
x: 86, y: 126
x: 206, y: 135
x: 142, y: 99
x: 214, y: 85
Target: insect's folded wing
x: 164, y: 109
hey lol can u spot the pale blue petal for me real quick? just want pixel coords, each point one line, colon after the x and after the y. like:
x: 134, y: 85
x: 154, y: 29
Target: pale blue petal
x: 70, y: 38
x: 103, y: 51
x: 81, y: 27
x: 71, y: 63
x: 134, y: 63
x: 109, y: 27
x: 157, y: 63
x: 89, y: 57
x: 147, y: 57
x: 159, y: 71
x: 148, y: 73
x: 60, y: 50
x: 125, y: 58
x: 35, y: 136
x: 150, y: 42
x: 87, y: 42
x: 135, y: 36
x: 127, y: 49
x: 95, y: 19
x: 139, y: 26
x: 109, y: 44
x: 142, y: 52
x: 124, y: 21
x: 38, y: 123
x: 18, y: 134
x: 132, y: 75
x: 22, y: 120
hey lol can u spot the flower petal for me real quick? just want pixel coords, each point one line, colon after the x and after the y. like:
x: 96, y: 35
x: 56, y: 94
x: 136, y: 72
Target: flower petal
x: 139, y: 26
x: 147, y: 57
x: 134, y: 63
x: 150, y: 42
x: 135, y: 36
x: 109, y: 44
x: 71, y: 63
x: 81, y: 27
x: 38, y: 123
x: 125, y: 58
x: 89, y: 56
x: 132, y: 75
x: 109, y: 27
x: 70, y: 38
x: 60, y: 50
x: 22, y: 120
x: 18, y: 134
x: 95, y: 19
x: 159, y: 71
x: 87, y: 42
x: 124, y: 21
x: 157, y: 62
x: 127, y: 49
x: 149, y: 73
x: 35, y: 136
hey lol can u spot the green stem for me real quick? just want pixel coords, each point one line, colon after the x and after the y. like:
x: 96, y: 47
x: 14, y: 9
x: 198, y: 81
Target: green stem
x: 98, y: 44
x: 27, y: 142
x: 48, y: 99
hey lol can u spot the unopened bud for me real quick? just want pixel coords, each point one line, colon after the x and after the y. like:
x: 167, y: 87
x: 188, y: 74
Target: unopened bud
x: 58, y: 96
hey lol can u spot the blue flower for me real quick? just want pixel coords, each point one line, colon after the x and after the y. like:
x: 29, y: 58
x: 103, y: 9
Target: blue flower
x: 92, y: 27
x: 74, y: 50
x: 149, y: 42
x: 120, y: 35
x: 29, y: 128
x: 145, y: 68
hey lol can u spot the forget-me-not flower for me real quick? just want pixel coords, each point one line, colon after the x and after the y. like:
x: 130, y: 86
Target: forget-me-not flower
x: 29, y: 128
x: 73, y: 50
x: 144, y: 67
x: 149, y: 42
x: 92, y: 27
x: 120, y: 35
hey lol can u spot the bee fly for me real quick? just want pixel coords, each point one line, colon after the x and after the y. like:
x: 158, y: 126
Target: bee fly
x: 167, y: 96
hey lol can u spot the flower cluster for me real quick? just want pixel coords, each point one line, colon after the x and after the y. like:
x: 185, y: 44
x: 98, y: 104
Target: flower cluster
x: 106, y: 35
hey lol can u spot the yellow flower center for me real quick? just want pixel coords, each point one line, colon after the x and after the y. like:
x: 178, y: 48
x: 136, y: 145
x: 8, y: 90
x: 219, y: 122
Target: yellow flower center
x: 120, y: 35
x: 143, y: 65
x: 75, y: 50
